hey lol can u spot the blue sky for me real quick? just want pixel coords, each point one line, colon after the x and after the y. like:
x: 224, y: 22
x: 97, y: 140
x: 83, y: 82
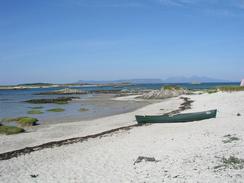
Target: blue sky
x: 69, y: 40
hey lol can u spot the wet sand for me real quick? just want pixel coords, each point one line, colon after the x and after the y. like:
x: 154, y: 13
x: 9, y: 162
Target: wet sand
x: 98, y: 106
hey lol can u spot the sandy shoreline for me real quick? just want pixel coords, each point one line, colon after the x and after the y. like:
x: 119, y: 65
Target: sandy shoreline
x: 187, y: 152
x: 96, y: 106
x: 54, y: 132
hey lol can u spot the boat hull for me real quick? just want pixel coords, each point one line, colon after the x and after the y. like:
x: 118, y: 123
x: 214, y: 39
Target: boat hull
x: 178, y: 118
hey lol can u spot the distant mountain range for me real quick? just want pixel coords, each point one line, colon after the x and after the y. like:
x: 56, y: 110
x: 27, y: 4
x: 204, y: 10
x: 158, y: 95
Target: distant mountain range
x: 193, y: 79
x: 134, y: 81
x: 179, y: 79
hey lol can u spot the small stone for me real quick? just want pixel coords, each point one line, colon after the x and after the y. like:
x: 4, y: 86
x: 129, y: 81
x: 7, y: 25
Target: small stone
x: 34, y: 176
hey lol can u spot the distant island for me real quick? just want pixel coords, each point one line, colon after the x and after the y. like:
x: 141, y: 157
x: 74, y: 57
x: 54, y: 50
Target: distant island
x: 193, y: 79
x: 51, y: 85
x: 179, y: 79
x: 132, y: 81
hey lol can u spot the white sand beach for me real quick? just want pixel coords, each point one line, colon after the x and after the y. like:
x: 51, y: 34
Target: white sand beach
x: 184, y: 152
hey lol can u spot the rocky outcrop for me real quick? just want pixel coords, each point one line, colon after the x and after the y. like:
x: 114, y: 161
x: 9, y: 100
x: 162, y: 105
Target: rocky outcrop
x: 165, y: 92
x: 59, y: 100
x: 66, y: 91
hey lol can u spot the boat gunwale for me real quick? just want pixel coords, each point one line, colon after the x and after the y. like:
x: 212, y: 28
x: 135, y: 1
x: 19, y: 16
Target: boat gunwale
x: 173, y: 115
x: 182, y: 117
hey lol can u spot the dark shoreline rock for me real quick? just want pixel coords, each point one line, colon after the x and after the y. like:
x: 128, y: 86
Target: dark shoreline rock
x: 59, y: 100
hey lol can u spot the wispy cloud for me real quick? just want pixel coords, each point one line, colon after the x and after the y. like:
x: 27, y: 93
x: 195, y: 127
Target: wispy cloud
x: 240, y: 4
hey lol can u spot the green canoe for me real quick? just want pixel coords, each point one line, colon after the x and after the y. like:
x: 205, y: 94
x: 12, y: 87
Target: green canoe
x: 187, y: 117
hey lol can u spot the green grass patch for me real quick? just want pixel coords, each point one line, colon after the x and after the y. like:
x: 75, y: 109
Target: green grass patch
x: 23, y: 121
x: 231, y: 88
x: 83, y: 109
x: 210, y: 91
x: 37, y: 107
x: 56, y: 110
x: 35, y: 112
x: 171, y: 87
x: 10, y: 130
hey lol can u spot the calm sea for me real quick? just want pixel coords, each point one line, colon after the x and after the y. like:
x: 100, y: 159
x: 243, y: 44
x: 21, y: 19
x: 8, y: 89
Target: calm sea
x: 12, y: 102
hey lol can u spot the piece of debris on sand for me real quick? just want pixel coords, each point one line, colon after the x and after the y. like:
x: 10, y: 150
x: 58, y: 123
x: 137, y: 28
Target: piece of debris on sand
x: 143, y: 158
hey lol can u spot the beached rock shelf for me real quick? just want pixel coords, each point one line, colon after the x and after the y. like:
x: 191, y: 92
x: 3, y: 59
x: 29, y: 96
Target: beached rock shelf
x: 66, y: 91
x: 165, y: 92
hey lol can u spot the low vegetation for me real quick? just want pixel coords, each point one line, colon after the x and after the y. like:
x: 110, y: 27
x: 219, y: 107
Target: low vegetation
x: 172, y: 87
x: 59, y: 100
x: 56, y: 110
x: 231, y: 88
x: 213, y: 90
x: 83, y: 110
x: 10, y: 130
x: 35, y: 112
x: 22, y: 121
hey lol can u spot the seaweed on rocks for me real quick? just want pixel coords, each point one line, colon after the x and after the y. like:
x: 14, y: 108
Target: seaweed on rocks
x: 59, y: 100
